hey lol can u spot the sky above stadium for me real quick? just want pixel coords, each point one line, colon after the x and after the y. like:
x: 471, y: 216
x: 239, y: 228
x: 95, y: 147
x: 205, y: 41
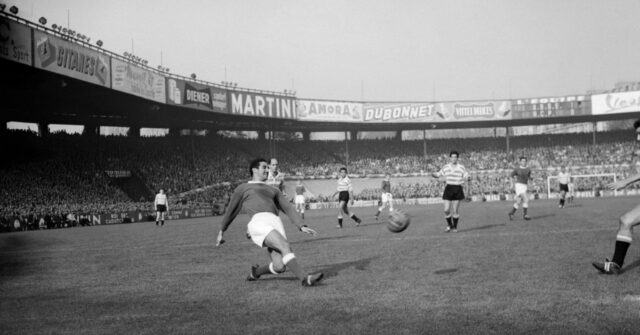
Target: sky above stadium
x: 368, y: 50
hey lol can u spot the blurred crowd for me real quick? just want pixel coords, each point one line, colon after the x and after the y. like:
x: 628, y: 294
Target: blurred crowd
x: 46, y: 181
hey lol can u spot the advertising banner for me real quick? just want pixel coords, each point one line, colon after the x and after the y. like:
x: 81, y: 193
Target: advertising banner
x: 573, y: 105
x: 128, y: 78
x: 197, y: 96
x: 142, y: 216
x: 70, y: 59
x: 437, y: 112
x: 261, y: 105
x: 332, y: 111
x: 15, y: 42
x: 615, y: 103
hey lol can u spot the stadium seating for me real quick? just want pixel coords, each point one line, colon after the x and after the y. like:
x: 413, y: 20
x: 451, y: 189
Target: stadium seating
x: 63, y: 174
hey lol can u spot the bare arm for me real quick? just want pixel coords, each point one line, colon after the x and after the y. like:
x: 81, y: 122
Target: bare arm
x: 624, y: 183
x: 235, y: 204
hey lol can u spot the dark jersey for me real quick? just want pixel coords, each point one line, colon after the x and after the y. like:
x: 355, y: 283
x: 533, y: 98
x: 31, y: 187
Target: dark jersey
x: 522, y: 174
x: 386, y: 186
x: 258, y: 197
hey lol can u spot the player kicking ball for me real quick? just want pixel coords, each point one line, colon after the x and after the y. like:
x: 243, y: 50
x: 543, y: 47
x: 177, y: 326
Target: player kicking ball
x: 627, y: 221
x: 263, y: 203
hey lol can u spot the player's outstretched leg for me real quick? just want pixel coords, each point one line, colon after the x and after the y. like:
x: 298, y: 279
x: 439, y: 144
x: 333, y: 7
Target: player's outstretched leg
x: 623, y: 241
x: 283, y: 258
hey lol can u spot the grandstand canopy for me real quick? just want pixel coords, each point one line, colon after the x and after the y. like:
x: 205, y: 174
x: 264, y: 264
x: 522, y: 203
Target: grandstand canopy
x: 34, y: 95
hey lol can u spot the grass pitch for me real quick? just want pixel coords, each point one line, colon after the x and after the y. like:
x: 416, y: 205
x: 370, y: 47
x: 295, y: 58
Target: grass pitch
x: 494, y: 276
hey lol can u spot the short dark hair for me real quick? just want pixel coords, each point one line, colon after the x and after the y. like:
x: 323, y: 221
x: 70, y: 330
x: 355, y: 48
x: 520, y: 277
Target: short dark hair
x: 453, y: 152
x: 636, y: 124
x: 523, y: 157
x: 343, y: 168
x: 256, y: 164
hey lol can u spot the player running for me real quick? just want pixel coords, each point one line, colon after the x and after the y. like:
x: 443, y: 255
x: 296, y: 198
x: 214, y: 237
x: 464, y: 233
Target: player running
x: 263, y: 203
x: 455, y: 174
x: 386, y: 198
x: 564, y: 178
x: 627, y: 221
x: 345, y: 191
x: 161, y: 204
x: 299, y: 199
x: 521, y: 175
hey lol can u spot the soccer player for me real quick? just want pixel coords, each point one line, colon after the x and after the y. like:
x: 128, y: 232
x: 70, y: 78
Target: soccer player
x: 275, y: 177
x: 455, y: 175
x: 162, y: 205
x: 345, y: 191
x: 386, y: 198
x: 521, y: 175
x: 299, y: 199
x: 564, y: 178
x: 263, y: 203
x: 627, y: 221
x: 571, y: 193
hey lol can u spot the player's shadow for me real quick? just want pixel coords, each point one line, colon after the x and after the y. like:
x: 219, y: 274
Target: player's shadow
x: 631, y: 266
x: 322, y: 239
x: 445, y: 271
x: 12, y: 263
x: 542, y: 216
x: 572, y: 205
x: 373, y: 223
x: 489, y: 226
x: 332, y: 270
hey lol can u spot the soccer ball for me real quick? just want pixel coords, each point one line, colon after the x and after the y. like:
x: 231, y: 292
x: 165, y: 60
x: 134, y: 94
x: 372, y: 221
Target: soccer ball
x: 398, y: 221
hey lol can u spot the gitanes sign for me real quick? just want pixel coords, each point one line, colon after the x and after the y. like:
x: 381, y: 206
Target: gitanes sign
x: 70, y: 59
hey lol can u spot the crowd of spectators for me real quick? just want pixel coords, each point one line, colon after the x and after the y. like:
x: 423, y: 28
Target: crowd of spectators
x: 62, y: 175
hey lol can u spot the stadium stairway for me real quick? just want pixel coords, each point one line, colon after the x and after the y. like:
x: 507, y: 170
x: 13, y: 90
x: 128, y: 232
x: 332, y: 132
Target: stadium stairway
x: 133, y: 187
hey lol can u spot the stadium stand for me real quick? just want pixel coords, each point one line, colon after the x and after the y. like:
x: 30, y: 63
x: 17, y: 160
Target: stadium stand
x: 63, y: 176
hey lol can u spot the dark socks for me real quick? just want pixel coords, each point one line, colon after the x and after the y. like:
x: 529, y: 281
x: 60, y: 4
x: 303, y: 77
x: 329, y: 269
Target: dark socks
x: 455, y: 222
x: 620, y: 252
x: 295, y: 268
x: 449, y: 221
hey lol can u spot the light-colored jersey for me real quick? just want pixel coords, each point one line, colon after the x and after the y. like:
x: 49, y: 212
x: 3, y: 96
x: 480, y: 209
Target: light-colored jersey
x: 161, y: 199
x: 522, y: 174
x: 276, y: 180
x: 258, y: 197
x: 455, y: 174
x: 344, y: 184
x: 564, y: 178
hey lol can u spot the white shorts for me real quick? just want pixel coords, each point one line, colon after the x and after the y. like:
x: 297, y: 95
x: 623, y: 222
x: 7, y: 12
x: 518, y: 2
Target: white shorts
x: 299, y: 199
x: 521, y: 189
x: 262, y: 224
x: 386, y: 197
